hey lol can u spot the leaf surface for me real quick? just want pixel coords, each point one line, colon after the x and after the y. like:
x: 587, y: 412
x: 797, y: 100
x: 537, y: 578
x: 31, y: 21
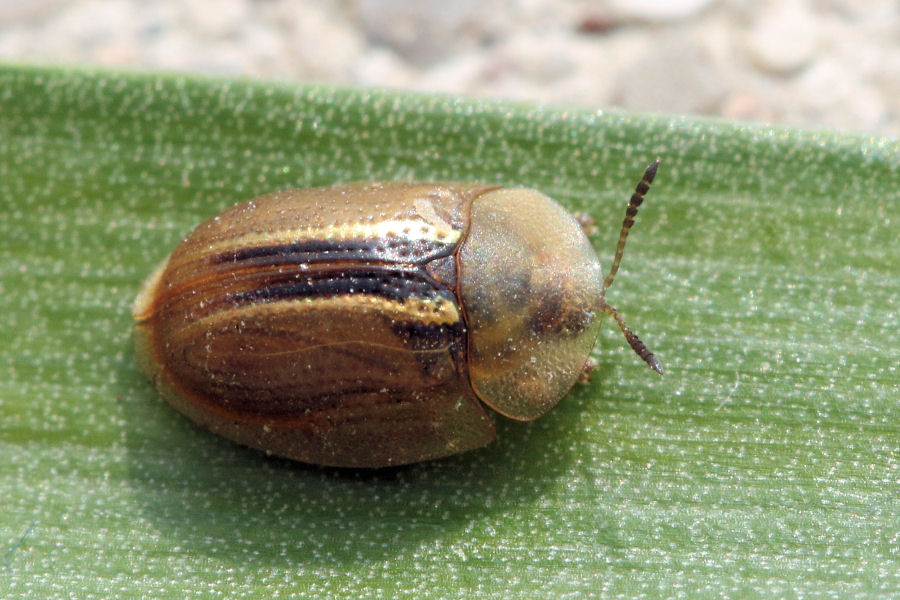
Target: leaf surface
x: 763, y: 271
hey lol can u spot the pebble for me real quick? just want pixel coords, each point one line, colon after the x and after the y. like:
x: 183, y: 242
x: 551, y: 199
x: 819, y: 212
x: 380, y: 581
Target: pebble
x: 427, y: 31
x: 678, y: 76
x: 658, y: 10
x: 784, y: 37
x: 798, y: 62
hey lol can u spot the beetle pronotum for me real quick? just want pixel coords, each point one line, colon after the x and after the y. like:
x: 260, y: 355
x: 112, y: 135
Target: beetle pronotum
x: 364, y: 324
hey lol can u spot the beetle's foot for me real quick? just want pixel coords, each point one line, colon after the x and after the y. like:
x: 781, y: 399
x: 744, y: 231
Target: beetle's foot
x: 587, y: 371
x: 587, y: 222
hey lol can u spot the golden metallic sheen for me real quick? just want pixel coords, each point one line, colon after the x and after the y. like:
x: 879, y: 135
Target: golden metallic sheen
x: 363, y: 325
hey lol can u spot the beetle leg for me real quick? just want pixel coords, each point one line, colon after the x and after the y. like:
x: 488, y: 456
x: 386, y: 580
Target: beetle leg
x: 587, y: 371
x: 587, y: 222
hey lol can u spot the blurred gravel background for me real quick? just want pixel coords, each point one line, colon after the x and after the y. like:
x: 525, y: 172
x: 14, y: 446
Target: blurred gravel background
x: 824, y: 64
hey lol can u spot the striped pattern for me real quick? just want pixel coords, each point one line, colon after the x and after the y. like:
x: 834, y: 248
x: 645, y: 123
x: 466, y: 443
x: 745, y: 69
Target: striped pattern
x: 321, y: 324
x: 390, y: 271
x: 383, y: 281
x: 360, y: 241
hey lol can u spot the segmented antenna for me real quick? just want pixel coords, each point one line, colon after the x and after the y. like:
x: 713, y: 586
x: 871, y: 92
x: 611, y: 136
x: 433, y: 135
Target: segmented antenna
x: 630, y: 213
x: 633, y: 340
x: 636, y: 199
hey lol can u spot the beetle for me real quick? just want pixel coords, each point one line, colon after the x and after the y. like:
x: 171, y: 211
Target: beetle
x: 367, y: 324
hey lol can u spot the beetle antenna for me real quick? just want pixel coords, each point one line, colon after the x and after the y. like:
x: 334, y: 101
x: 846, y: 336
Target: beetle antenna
x: 633, y: 340
x: 630, y: 213
x: 636, y: 198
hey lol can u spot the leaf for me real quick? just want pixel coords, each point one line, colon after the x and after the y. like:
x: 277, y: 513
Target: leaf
x: 762, y: 271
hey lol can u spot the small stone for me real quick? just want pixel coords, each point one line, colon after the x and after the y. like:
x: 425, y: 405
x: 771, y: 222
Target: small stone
x: 424, y: 32
x: 658, y: 10
x: 784, y: 39
x: 542, y: 59
x: 746, y: 106
x: 676, y: 75
x: 836, y: 89
x: 321, y: 44
x: 215, y: 18
x: 15, y: 12
x: 381, y: 67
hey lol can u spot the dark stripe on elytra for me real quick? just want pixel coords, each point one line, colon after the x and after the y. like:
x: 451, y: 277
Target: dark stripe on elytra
x: 423, y: 339
x: 392, y: 284
x: 429, y: 336
x: 394, y: 249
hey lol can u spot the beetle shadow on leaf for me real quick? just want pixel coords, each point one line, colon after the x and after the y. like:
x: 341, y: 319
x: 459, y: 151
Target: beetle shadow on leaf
x: 213, y: 497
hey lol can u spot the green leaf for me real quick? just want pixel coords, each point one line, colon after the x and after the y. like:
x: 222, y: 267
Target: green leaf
x: 763, y: 271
